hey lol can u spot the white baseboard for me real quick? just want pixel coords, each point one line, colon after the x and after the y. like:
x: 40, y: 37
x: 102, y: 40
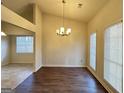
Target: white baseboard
x: 63, y: 66
x: 36, y: 69
x: 30, y: 62
x: 4, y: 63
x: 101, y: 81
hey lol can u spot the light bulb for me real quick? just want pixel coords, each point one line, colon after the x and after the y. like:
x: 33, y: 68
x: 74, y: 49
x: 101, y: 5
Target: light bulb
x: 57, y: 31
x: 68, y: 31
x: 62, y: 29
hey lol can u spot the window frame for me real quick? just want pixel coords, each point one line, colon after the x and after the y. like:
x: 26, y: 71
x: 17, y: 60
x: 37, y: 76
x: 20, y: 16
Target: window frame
x: 114, y: 23
x: 24, y: 52
x: 96, y: 52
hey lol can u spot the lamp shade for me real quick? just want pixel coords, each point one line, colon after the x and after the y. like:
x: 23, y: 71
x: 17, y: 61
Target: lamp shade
x: 68, y: 31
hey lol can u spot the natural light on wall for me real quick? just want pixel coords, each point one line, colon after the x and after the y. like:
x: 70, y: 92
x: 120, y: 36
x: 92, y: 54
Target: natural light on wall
x: 93, y: 50
x: 113, y: 56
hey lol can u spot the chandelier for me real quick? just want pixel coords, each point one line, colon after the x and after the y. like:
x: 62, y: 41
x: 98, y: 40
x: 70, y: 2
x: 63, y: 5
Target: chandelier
x: 62, y: 31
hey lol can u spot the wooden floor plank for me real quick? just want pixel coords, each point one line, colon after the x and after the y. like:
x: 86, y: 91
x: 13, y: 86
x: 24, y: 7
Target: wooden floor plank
x: 61, y: 80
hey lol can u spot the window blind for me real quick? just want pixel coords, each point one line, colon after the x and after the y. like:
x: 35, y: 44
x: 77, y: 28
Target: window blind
x: 93, y: 51
x: 24, y: 44
x: 113, y: 56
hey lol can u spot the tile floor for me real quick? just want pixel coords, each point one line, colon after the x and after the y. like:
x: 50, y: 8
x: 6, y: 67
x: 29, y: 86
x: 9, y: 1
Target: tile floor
x: 14, y: 74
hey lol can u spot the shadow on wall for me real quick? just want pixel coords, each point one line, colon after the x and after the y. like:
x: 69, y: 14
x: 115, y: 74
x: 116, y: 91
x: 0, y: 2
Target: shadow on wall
x: 21, y: 7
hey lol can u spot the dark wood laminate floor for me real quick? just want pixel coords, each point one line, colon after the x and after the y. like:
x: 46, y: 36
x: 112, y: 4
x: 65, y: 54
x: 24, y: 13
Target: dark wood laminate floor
x: 61, y: 80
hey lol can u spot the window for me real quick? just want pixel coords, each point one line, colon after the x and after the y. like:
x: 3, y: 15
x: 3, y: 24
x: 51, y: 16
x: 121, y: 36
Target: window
x: 113, y: 56
x: 24, y: 44
x: 93, y: 51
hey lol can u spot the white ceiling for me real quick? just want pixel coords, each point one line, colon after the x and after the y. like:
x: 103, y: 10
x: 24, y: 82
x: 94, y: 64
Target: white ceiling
x: 88, y: 10
x: 54, y: 7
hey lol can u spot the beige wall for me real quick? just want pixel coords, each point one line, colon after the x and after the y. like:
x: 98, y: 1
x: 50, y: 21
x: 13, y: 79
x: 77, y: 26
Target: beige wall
x: 11, y: 29
x: 110, y: 14
x: 19, y: 57
x: 67, y: 51
x: 11, y: 17
x: 5, y: 50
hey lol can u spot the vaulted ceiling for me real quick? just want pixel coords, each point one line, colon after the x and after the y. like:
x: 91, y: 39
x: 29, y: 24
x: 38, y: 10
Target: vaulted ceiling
x: 88, y: 10
x: 85, y: 13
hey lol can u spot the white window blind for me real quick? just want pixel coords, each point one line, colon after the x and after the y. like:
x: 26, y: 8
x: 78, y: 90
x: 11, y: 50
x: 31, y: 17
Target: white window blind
x: 24, y: 44
x: 93, y: 51
x: 113, y: 56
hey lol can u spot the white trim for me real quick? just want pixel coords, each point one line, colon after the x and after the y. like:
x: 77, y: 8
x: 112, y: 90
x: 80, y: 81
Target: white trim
x: 36, y: 69
x: 101, y: 81
x: 26, y: 62
x: 5, y: 63
x: 63, y: 66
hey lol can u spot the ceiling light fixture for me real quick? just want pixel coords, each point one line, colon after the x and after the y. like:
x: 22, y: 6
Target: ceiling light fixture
x: 80, y: 5
x: 62, y: 31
